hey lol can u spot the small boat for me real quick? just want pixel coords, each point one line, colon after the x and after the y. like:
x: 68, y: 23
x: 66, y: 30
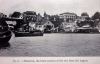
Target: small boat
x: 5, y: 33
x: 48, y: 31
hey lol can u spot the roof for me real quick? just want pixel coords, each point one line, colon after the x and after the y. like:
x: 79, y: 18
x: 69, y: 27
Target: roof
x: 43, y: 21
x: 57, y: 23
x: 69, y: 25
x: 67, y: 13
x: 86, y: 25
x: 29, y: 13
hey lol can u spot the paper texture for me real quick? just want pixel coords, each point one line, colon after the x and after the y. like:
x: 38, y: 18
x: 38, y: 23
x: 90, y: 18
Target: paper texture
x: 50, y: 31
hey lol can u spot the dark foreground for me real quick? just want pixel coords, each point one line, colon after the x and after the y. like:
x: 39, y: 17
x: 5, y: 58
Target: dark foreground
x: 53, y: 45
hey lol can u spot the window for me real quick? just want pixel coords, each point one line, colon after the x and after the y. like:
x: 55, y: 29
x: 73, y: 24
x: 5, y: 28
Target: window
x: 44, y: 26
x: 48, y: 22
x: 21, y: 17
x: 27, y: 18
x: 32, y: 18
x: 39, y: 26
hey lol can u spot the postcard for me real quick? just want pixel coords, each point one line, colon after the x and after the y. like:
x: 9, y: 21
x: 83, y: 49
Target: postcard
x: 49, y: 31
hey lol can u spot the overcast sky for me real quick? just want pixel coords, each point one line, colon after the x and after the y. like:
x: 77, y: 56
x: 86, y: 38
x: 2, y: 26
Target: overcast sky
x: 51, y: 7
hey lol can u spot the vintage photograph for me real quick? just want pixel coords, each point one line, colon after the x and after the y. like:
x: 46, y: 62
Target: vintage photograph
x: 49, y: 28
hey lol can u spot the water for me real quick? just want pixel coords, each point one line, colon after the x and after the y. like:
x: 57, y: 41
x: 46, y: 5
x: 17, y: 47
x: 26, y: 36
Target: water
x: 53, y: 45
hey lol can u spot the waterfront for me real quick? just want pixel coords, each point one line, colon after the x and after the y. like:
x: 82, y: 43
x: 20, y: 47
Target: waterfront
x: 53, y: 45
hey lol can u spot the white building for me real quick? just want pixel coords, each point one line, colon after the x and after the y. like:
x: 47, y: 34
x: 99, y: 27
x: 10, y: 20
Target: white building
x: 44, y: 24
x: 68, y: 26
x: 69, y: 17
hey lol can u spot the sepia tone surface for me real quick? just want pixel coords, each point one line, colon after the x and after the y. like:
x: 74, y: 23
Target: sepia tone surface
x: 59, y: 44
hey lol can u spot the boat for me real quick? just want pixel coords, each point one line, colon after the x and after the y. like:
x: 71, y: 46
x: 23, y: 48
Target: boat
x: 5, y: 36
x: 47, y: 31
x: 27, y: 34
x: 5, y: 33
x: 30, y: 31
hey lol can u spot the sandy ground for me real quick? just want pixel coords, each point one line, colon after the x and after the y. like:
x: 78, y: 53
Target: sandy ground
x: 54, y: 45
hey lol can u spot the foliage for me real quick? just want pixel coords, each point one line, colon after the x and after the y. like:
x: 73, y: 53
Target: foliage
x: 30, y: 13
x: 85, y: 14
x: 96, y: 16
x: 56, y: 20
x: 15, y: 14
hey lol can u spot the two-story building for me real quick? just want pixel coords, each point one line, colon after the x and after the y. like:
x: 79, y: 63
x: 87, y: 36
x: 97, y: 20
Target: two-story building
x: 69, y: 17
x: 69, y: 21
x: 28, y: 23
x: 45, y: 24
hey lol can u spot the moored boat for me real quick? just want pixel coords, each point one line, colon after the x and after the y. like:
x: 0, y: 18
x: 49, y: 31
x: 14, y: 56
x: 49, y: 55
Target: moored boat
x: 5, y: 33
x: 5, y: 36
x: 47, y: 31
x: 27, y: 34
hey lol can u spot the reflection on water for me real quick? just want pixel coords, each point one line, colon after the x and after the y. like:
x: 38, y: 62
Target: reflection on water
x: 4, y: 45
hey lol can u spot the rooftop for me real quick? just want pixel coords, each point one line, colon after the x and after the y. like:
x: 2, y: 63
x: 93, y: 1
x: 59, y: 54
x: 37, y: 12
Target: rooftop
x: 67, y: 13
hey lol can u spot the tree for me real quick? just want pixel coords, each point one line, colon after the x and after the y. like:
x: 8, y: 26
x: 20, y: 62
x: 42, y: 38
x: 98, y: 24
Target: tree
x: 30, y: 13
x: 2, y: 15
x: 96, y: 16
x: 15, y: 14
x: 85, y: 14
x: 39, y: 17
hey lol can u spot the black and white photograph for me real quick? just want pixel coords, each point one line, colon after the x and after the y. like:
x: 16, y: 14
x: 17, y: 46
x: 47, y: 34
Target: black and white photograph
x: 49, y: 28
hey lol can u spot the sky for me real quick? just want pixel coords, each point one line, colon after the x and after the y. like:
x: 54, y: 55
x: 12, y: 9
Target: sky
x: 51, y: 7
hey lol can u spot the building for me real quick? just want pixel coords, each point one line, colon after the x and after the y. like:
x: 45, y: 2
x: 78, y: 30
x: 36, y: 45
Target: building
x: 29, y: 18
x: 68, y: 26
x: 45, y: 24
x: 56, y: 21
x: 69, y: 17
